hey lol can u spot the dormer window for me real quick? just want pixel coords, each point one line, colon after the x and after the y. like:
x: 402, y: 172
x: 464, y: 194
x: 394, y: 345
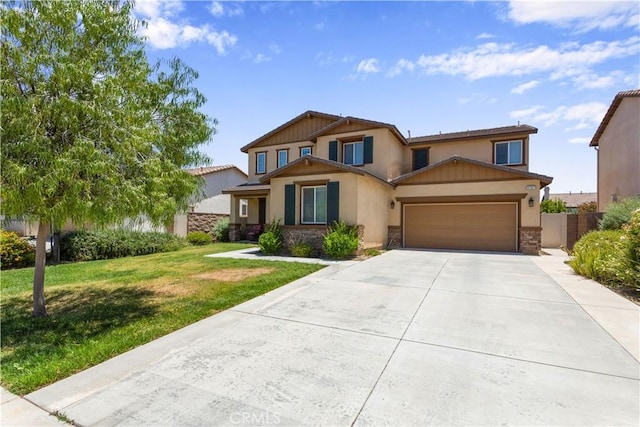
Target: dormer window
x: 509, y: 153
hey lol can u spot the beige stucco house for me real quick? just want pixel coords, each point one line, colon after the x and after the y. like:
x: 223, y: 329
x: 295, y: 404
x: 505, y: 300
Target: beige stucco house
x: 617, y: 140
x: 466, y: 190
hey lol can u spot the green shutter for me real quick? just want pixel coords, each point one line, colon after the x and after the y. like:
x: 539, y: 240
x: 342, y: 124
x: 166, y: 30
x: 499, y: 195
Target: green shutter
x: 368, y: 150
x: 333, y: 202
x: 290, y: 204
x: 420, y: 158
x: 333, y: 150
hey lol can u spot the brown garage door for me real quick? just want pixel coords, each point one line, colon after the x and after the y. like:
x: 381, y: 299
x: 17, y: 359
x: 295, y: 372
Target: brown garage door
x: 472, y: 226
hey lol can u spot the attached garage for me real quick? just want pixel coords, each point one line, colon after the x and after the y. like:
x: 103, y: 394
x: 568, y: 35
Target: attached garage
x: 470, y: 226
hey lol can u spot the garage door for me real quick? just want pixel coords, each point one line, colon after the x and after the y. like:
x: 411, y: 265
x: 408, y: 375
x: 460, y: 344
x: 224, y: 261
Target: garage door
x: 471, y: 226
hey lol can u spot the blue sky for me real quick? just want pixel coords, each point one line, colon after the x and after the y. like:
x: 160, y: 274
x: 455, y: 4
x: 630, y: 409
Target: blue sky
x: 426, y: 67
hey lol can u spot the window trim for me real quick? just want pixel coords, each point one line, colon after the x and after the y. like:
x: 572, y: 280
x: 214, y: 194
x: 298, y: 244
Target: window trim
x: 344, y: 152
x: 284, y: 150
x: 522, y: 142
x: 310, y: 150
x: 315, y: 212
x: 258, y: 163
x: 244, y: 203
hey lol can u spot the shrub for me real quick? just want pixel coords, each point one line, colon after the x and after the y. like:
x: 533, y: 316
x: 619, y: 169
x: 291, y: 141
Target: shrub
x: 341, y: 241
x: 270, y: 241
x: 619, y: 213
x: 552, y: 206
x: 106, y: 244
x: 220, y: 231
x: 15, y: 252
x: 630, y: 265
x: 302, y: 250
x: 588, y: 207
x: 597, y: 255
x: 371, y: 252
x: 199, y: 238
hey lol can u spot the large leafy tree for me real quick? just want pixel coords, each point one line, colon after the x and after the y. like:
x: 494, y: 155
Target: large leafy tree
x: 91, y: 132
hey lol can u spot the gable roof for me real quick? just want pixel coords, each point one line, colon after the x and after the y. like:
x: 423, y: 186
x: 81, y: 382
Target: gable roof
x: 470, y: 134
x: 306, y: 114
x: 610, y: 112
x: 544, y: 180
x: 333, y: 166
x: 369, y: 123
x: 212, y: 169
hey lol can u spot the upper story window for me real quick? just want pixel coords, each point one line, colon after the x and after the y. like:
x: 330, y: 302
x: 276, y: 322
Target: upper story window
x: 353, y: 153
x: 314, y: 205
x: 305, y: 151
x: 509, y: 153
x: 283, y: 156
x: 261, y: 162
x: 420, y: 158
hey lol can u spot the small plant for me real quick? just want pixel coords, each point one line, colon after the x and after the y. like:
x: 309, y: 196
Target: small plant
x: 302, y: 250
x: 220, y: 231
x: 15, y: 252
x: 199, y: 238
x: 371, y: 252
x: 341, y: 241
x: 552, y: 206
x: 587, y: 207
x: 619, y: 213
x: 630, y: 264
x: 270, y: 241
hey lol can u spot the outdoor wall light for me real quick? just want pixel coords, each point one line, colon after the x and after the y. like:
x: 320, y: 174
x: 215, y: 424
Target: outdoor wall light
x: 392, y: 204
x: 530, y: 202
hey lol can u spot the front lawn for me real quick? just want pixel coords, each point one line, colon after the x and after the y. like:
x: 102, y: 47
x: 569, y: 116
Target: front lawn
x: 100, y: 309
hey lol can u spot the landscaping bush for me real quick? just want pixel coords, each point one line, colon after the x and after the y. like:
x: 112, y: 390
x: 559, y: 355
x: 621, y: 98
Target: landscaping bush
x: 220, y: 231
x: 106, y: 244
x: 597, y: 255
x: 341, y: 241
x: 270, y: 241
x: 302, y: 250
x: 15, y: 252
x: 372, y: 252
x: 630, y: 272
x: 199, y: 238
x: 587, y: 207
x: 619, y: 213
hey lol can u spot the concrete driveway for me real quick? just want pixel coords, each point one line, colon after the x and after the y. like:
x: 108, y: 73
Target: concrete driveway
x: 406, y: 338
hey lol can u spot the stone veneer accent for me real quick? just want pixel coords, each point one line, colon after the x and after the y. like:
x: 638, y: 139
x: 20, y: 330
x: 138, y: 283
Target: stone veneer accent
x: 235, y: 232
x: 394, y: 237
x: 530, y: 240
x: 203, y: 221
x: 312, y: 235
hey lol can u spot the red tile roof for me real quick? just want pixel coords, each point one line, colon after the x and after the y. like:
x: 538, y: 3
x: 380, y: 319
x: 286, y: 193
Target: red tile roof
x: 211, y: 169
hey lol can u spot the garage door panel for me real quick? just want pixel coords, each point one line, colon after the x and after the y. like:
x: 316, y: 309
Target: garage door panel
x: 472, y: 226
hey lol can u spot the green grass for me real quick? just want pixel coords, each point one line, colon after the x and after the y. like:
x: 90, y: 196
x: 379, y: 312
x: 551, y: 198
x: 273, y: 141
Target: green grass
x: 100, y: 309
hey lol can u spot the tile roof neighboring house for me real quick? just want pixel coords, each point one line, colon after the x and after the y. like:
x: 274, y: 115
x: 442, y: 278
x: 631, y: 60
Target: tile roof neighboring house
x: 211, y: 169
x: 573, y: 200
x: 443, y: 137
x: 609, y: 114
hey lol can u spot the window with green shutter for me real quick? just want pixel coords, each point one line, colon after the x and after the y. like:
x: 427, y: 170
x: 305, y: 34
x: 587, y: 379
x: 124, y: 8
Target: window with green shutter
x: 333, y: 202
x: 290, y: 204
x: 333, y: 150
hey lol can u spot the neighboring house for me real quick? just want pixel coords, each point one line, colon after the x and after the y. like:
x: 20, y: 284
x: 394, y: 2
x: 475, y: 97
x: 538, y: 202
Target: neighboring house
x: 572, y: 201
x: 466, y: 190
x: 617, y: 141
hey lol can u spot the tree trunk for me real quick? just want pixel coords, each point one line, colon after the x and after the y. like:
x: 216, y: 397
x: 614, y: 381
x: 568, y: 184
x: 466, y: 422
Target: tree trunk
x: 39, y: 308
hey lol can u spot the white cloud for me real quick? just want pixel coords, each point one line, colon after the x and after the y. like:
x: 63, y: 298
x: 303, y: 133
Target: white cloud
x: 579, y: 140
x: 261, y: 58
x: 400, y: 67
x: 217, y: 9
x: 275, y: 48
x: 482, y: 36
x: 319, y: 26
x: 579, y: 116
x: 522, y: 88
x: 595, y: 81
x: 580, y: 15
x: 492, y: 59
x: 369, y: 65
x: 164, y: 30
x: 220, y: 9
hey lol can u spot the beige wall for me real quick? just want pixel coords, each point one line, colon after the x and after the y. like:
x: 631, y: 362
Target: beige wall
x: 530, y: 216
x: 477, y: 149
x: 554, y: 229
x: 272, y: 156
x: 619, y: 155
x: 373, y: 210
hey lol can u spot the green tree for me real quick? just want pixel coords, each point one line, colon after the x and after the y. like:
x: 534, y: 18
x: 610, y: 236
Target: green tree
x: 552, y: 206
x: 90, y: 130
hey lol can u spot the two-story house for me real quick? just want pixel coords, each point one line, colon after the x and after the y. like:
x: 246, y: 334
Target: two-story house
x: 466, y: 190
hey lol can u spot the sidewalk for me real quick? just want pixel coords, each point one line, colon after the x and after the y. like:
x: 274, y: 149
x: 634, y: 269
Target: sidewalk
x: 17, y: 411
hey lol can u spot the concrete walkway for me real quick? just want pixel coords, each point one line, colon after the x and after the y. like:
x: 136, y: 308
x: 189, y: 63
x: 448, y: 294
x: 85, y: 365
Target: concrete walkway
x: 406, y: 338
